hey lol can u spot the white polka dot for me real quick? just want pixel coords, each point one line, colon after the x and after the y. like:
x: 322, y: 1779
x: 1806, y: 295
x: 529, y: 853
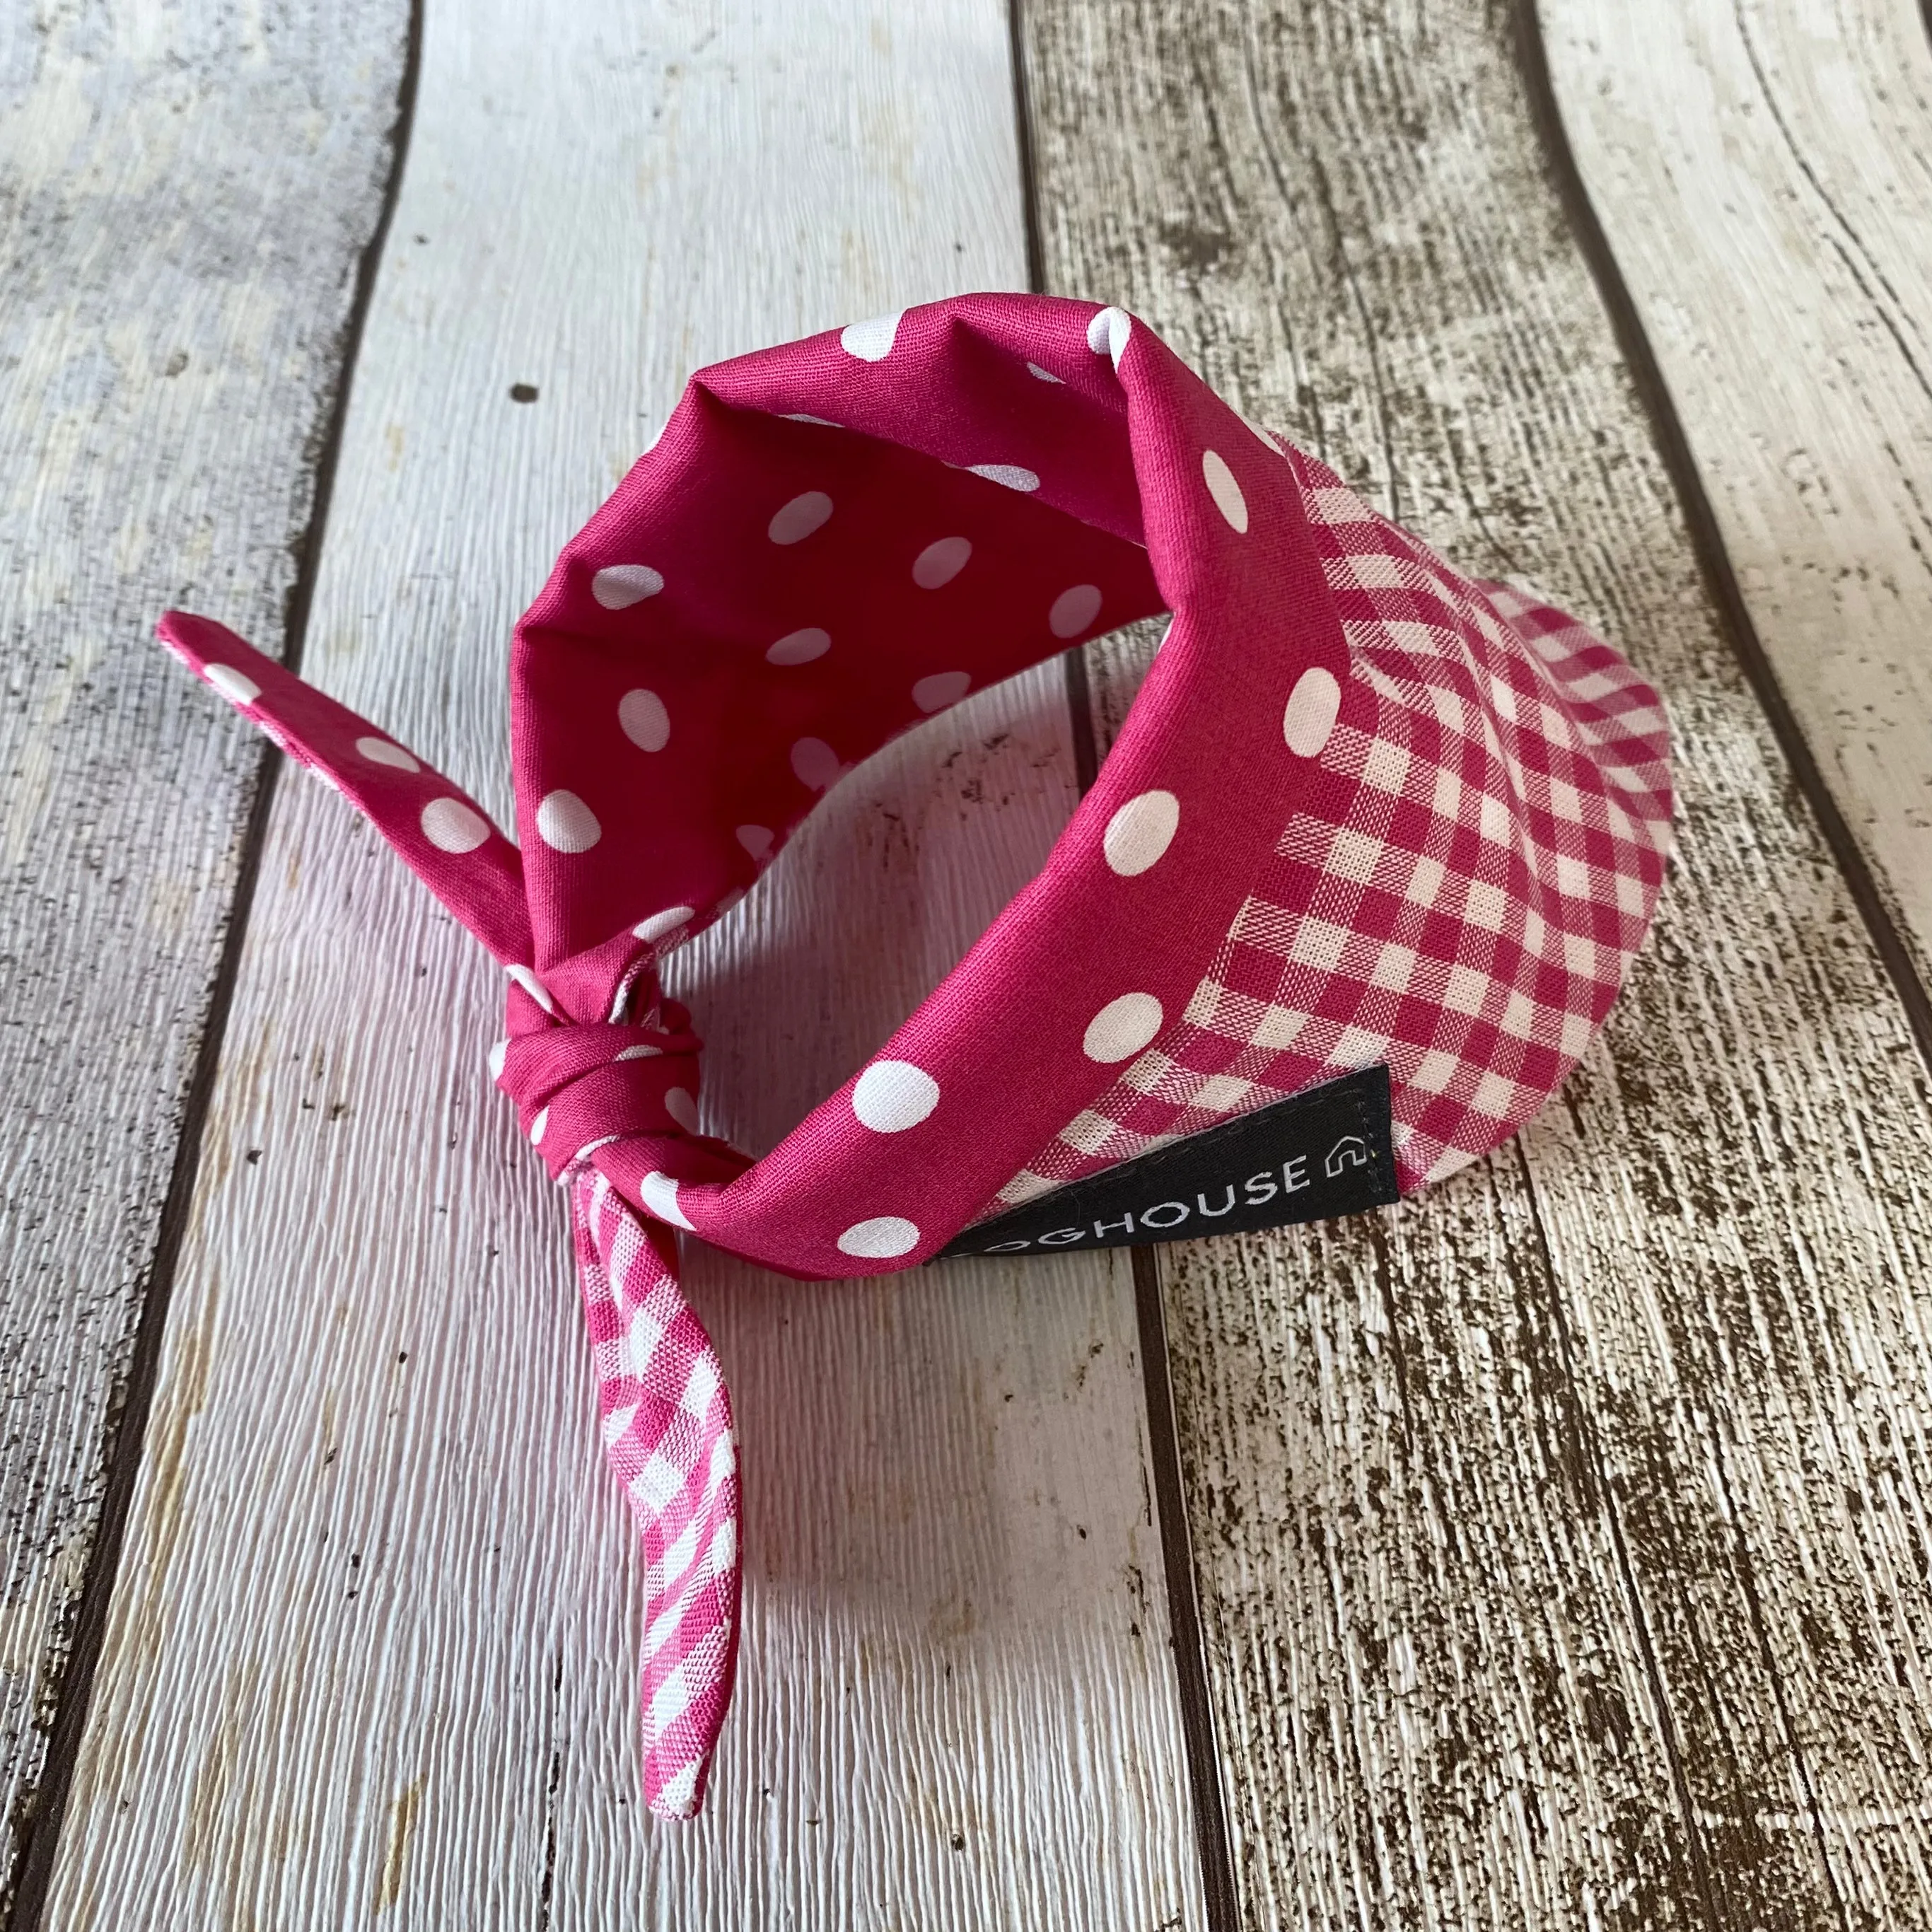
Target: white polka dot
x: 730, y: 902
x: 1141, y: 831
x: 231, y: 683
x: 1073, y: 611
x: 880, y: 1238
x: 1041, y: 375
x: 892, y: 1095
x: 815, y: 763
x: 449, y: 825
x: 539, y: 1125
x: 798, y: 415
x: 669, y: 920
x: 498, y: 1054
x: 756, y: 839
x: 871, y: 341
x: 1107, y: 334
x: 533, y: 986
x: 940, y: 562
x: 798, y: 647
x: 942, y: 688
x: 1312, y: 707
x: 640, y: 1052
x: 1122, y: 1027
x: 1010, y: 474
x: 380, y: 751
x: 1225, y: 491
x: 645, y: 720
x: 618, y: 586
x: 658, y: 1193
x: 682, y: 1109
x: 565, y: 824
x: 797, y: 520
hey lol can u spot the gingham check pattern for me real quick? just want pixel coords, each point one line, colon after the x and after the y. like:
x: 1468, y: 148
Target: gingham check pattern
x: 1468, y: 912
x: 667, y: 1427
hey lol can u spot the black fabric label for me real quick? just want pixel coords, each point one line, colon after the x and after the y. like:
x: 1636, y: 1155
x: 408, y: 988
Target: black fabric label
x: 1325, y: 1152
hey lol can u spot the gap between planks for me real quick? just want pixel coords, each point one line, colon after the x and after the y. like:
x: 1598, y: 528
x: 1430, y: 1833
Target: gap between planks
x: 1878, y: 905
x: 127, y: 1440
x: 1212, y: 1848
x: 180, y: 254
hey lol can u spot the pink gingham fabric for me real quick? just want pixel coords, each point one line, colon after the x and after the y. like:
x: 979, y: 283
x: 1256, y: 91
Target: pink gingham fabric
x: 1363, y: 810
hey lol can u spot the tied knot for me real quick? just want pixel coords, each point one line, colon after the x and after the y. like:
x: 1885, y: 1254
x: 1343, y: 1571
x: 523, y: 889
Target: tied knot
x: 581, y: 1088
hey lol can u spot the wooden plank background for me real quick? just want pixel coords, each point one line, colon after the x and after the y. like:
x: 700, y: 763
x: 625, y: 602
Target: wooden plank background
x: 1558, y: 1540
x: 183, y: 195
x: 1761, y: 171
x: 373, y: 1650
x: 1558, y: 1534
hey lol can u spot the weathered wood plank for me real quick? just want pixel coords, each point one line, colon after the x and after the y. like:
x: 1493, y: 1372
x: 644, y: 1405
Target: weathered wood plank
x: 373, y: 1650
x: 1533, y: 1590
x: 1763, y: 172
x: 184, y: 197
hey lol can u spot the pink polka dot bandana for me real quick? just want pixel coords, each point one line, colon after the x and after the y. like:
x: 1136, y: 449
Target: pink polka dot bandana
x: 1363, y: 810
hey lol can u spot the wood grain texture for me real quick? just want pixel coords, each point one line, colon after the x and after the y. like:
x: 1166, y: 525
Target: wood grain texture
x: 183, y: 195
x: 372, y: 1652
x: 1558, y: 1533
x: 1764, y: 175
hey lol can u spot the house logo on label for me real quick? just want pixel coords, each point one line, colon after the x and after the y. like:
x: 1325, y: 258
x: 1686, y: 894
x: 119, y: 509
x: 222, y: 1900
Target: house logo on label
x: 1351, y: 1151
x: 1325, y: 1152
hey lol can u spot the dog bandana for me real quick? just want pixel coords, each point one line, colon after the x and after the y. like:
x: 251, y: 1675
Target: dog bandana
x: 1365, y: 813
